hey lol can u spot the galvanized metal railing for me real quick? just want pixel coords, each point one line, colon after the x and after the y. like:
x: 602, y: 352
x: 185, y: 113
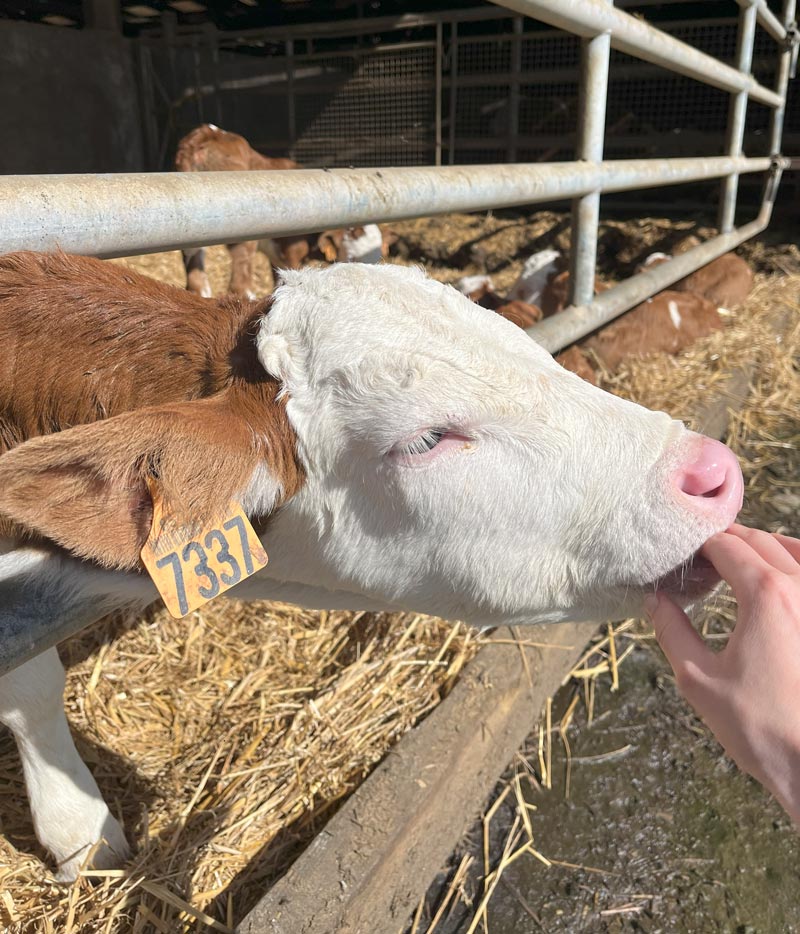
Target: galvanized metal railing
x: 125, y: 214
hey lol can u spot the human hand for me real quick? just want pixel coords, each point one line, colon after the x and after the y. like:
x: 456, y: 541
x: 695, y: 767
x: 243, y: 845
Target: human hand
x: 749, y: 693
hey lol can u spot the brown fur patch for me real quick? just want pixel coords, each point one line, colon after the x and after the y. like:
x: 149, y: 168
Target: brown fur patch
x: 649, y: 328
x: 177, y: 376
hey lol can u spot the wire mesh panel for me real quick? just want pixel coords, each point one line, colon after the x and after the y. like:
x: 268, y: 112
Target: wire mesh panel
x: 502, y: 95
x: 379, y: 109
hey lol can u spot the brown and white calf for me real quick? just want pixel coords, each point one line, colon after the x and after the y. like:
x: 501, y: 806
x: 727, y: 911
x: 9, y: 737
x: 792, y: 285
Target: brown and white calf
x: 666, y: 323
x: 725, y: 281
x: 207, y: 148
x: 397, y: 447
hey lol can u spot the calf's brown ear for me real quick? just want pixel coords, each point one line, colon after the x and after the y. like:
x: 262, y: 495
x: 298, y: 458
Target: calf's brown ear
x: 86, y: 488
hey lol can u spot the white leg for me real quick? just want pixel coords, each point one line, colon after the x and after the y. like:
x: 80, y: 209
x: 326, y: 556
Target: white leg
x: 69, y: 814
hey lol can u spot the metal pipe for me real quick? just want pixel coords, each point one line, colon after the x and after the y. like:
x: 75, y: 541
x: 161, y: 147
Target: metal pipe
x: 119, y: 215
x: 439, y: 65
x: 737, y: 113
x: 784, y: 70
x: 572, y: 324
x: 767, y: 19
x: 451, y: 136
x: 291, y: 117
x: 514, y: 88
x: 595, y: 56
x: 641, y: 40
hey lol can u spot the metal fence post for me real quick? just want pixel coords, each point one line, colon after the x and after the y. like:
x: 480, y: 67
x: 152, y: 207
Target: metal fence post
x: 451, y: 145
x: 438, y: 94
x: 782, y: 83
x: 290, y: 98
x: 737, y: 114
x: 595, y: 54
x: 514, y: 89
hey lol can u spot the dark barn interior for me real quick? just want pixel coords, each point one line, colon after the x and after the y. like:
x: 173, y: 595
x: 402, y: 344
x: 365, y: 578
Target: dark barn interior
x: 351, y: 83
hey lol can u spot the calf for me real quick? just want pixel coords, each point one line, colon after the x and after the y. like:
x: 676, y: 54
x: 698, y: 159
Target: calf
x: 480, y: 289
x: 207, y: 148
x: 537, y: 271
x: 726, y: 281
x: 397, y: 447
x: 666, y: 323
x: 577, y: 361
x: 555, y: 295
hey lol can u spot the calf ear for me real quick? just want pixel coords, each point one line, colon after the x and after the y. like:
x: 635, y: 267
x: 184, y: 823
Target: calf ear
x: 86, y: 488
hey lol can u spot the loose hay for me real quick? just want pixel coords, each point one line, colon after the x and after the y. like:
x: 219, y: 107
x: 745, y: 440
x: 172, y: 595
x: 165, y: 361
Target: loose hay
x: 224, y: 741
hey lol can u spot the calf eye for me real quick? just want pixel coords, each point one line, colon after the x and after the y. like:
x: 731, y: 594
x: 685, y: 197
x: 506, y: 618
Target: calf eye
x: 429, y: 444
x: 423, y: 443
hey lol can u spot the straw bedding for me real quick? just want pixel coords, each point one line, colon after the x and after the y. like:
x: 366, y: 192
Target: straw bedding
x: 224, y: 741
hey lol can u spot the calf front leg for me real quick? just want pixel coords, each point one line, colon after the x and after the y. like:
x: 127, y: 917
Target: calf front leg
x: 242, y: 256
x: 194, y: 262
x: 69, y: 814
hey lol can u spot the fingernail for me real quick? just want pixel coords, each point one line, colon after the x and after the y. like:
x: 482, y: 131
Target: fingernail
x: 651, y: 605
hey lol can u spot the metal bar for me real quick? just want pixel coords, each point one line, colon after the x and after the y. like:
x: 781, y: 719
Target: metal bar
x: 439, y: 65
x: 513, y: 89
x: 451, y: 145
x: 290, y: 98
x: 344, y: 27
x: 574, y: 323
x: 641, y: 40
x: 595, y: 56
x: 118, y: 215
x: 782, y: 83
x: 737, y: 114
x: 767, y: 19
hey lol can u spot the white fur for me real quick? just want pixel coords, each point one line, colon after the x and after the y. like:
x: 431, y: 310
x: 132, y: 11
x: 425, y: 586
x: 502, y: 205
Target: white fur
x: 364, y: 249
x: 535, y: 274
x: 655, y: 258
x: 469, y: 285
x: 559, y: 505
x: 674, y: 314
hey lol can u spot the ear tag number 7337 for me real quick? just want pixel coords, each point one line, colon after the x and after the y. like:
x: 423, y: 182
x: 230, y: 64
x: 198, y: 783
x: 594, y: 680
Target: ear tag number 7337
x: 191, y: 566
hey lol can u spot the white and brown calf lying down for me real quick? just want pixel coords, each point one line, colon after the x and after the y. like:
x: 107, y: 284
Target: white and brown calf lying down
x: 397, y: 448
x: 207, y: 148
x: 669, y: 322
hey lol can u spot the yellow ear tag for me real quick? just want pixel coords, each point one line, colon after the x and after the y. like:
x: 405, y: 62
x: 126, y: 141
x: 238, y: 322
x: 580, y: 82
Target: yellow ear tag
x: 191, y: 566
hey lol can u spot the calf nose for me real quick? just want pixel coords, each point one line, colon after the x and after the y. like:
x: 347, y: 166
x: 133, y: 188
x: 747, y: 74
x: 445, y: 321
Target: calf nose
x: 712, y: 480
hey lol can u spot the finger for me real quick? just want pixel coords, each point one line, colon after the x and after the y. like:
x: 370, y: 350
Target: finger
x: 766, y: 545
x: 686, y: 652
x: 792, y: 545
x: 738, y: 563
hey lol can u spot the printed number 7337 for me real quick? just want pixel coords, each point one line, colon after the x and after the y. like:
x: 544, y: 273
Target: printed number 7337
x: 202, y: 569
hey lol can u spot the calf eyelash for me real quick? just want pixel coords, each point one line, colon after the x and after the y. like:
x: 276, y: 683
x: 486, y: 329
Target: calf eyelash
x: 423, y: 443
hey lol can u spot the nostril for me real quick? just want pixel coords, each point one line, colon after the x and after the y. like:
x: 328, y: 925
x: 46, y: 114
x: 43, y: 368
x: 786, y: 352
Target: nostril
x: 712, y: 474
x: 705, y: 479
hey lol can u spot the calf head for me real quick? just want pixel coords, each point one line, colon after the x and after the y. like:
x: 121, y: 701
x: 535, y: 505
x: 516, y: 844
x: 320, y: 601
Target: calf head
x: 413, y: 450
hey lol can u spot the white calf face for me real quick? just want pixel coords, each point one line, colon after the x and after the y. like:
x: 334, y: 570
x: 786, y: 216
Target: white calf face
x: 454, y: 468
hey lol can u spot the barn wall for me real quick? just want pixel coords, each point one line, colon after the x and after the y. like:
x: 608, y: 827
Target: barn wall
x: 68, y: 100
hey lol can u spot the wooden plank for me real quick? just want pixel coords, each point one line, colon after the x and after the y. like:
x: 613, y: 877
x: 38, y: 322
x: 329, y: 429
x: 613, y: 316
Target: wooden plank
x: 365, y: 872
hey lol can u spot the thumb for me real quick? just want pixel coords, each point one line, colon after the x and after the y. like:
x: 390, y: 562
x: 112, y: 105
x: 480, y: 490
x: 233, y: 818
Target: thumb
x: 685, y: 650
